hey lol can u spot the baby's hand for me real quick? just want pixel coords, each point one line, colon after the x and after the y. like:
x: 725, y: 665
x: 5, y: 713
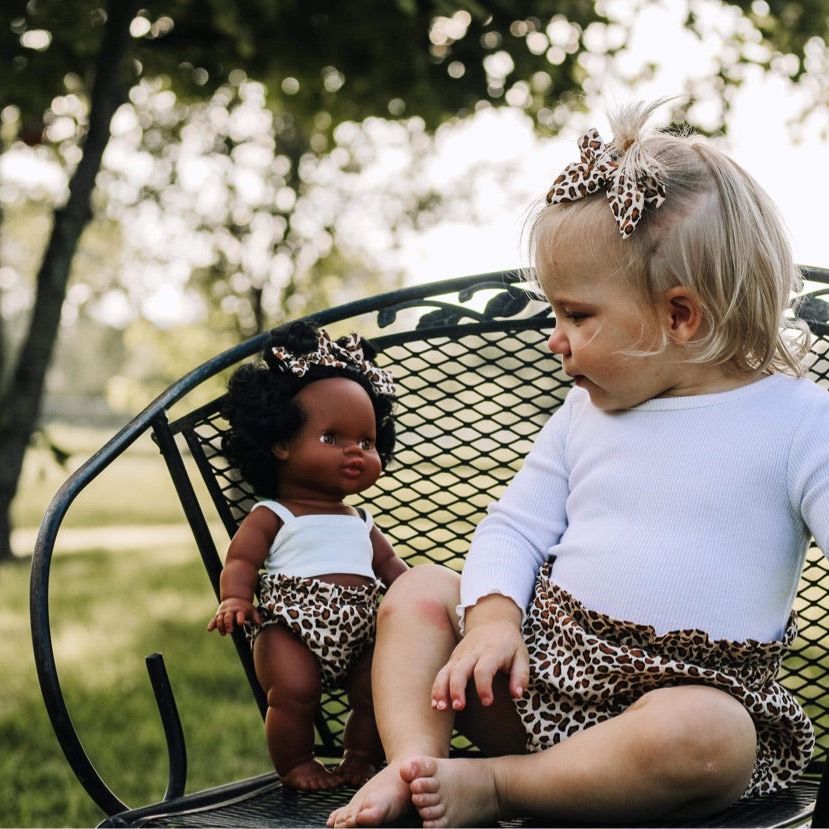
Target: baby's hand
x: 486, y: 649
x: 233, y: 613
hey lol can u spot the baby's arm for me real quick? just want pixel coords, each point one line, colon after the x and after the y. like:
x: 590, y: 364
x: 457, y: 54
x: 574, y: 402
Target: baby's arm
x: 245, y: 557
x: 492, y: 643
x: 507, y: 550
x: 386, y: 565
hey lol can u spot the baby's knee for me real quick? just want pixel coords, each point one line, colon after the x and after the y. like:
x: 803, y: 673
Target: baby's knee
x: 428, y: 591
x: 700, y: 741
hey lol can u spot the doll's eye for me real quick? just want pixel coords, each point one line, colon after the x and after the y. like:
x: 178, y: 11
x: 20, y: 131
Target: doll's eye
x: 366, y: 444
x: 328, y: 438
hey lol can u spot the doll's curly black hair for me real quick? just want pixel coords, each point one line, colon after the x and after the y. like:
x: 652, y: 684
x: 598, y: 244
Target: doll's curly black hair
x: 261, y: 409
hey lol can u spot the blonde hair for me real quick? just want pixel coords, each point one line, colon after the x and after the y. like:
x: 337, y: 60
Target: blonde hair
x: 718, y: 233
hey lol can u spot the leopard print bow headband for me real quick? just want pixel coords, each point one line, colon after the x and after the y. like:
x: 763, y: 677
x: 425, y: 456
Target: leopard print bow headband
x: 348, y: 354
x: 628, y: 193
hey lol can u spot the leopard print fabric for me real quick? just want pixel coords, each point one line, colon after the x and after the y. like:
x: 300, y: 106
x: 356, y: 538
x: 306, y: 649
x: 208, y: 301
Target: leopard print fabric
x: 336, y: 623
x: 629, y: 192
x: 347, y: 352
x: 586, y: 667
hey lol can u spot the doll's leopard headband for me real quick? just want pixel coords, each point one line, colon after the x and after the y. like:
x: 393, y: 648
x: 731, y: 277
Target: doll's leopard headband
x: 628, y: 192
x: 345, y: 354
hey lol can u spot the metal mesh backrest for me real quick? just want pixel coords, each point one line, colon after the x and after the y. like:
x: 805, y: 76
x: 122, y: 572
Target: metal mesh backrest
x: 806, y: 669
x: 470, y: 402
x: 469, y: 408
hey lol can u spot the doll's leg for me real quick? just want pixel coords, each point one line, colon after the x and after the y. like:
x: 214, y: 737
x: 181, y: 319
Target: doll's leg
x: 416, y: 632
x: 686, y: 751
x: 363, y: 752
x: 290, y: 676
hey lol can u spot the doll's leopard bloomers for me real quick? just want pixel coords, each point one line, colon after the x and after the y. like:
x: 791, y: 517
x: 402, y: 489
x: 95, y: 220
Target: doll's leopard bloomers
x: 335, y: 622
x: 586, y: 667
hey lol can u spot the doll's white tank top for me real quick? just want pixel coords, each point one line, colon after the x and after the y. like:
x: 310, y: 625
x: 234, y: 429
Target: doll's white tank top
x: 311, y: 545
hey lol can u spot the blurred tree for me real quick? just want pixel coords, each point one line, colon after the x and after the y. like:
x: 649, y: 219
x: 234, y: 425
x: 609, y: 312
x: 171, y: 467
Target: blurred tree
x: 321, y: 62
x: 21, y: 396
x: 255, y: 238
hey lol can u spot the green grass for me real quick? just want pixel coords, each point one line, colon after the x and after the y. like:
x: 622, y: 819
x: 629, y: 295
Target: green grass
x: 108, y: 611
x: 112, y: 498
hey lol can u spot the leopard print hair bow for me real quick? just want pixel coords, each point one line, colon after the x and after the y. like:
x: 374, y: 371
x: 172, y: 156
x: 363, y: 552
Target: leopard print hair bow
x: 347, y: 353
x: 599, y: 168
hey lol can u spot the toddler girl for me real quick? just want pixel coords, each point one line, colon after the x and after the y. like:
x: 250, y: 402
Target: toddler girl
x: 625, y: 605
x: 310, y: 427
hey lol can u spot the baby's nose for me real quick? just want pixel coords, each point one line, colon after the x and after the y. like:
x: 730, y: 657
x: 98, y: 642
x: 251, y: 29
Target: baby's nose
x: 558, y: 343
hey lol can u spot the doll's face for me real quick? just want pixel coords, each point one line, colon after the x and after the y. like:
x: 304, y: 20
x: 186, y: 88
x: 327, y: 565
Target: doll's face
x: 334, y: 454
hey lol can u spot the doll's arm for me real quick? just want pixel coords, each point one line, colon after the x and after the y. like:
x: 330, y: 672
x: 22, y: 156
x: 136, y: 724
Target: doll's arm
x: 245, y: 557
x: 386, y: 565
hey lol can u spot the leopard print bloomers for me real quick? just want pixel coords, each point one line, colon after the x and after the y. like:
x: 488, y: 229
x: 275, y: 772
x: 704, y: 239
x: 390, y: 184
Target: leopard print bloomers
x: 336, y: 623
x: 586, y: 667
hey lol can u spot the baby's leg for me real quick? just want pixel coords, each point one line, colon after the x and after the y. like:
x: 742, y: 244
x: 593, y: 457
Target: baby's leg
x: 363, y: 752
x: 677, y: 752
x: 290, y: 677
x: 416, y: 632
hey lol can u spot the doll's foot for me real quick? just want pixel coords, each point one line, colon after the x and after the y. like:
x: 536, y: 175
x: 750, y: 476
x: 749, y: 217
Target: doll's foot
x: 378, y: 803
x: 355, y: 769
x: 310, y: 775
x: 457, y: 792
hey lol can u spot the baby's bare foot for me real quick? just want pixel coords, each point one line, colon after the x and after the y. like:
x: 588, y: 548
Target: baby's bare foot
x: 455, y: 792
x: 355, y: 769
x: 310, y: 775
x: 380, y: 801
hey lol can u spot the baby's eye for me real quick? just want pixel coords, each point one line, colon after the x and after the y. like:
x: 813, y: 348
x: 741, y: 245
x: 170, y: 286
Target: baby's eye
x: 366, y: 444
x: 328, y: 438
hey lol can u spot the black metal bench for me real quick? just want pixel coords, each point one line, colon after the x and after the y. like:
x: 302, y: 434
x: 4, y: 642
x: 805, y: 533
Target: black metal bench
x: 475, y: 382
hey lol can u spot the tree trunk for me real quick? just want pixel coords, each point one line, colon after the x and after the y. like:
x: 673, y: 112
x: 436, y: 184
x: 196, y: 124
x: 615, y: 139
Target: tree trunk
x: 20, y: 405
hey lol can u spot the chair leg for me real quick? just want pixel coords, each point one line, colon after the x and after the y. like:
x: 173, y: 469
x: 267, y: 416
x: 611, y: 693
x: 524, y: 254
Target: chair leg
x: 173, y: 733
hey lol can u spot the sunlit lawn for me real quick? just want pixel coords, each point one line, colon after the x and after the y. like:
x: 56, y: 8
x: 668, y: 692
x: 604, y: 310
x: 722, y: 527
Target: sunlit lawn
x: 109, y: 611
x: 135, y: 490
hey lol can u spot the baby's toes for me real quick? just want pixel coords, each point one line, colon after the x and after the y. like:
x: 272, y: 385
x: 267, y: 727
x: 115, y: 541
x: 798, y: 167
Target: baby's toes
x: 341, y: 817
x: 433, y: 814
x: 424, y: 785
x: 427, y: 799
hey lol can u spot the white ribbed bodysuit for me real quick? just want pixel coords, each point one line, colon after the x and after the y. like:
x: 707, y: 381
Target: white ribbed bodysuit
x: 682, y: 512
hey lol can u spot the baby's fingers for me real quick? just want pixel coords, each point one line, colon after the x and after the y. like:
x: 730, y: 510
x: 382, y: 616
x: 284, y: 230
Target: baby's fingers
x: 459, y: 675
x: 440, y: 689
x: 484, y: 672
x: 519, y: 674
x: 449, y: 687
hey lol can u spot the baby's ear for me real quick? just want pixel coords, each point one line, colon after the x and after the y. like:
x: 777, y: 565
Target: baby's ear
x: 683, y: 313
x: 280, y: 451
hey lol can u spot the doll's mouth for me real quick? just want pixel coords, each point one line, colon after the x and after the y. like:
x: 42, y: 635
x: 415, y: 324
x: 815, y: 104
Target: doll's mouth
x: 354, y: 469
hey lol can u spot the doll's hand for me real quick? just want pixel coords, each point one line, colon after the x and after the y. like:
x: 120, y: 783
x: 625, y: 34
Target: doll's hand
x: 493, y: 643
x: 233, y: 613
